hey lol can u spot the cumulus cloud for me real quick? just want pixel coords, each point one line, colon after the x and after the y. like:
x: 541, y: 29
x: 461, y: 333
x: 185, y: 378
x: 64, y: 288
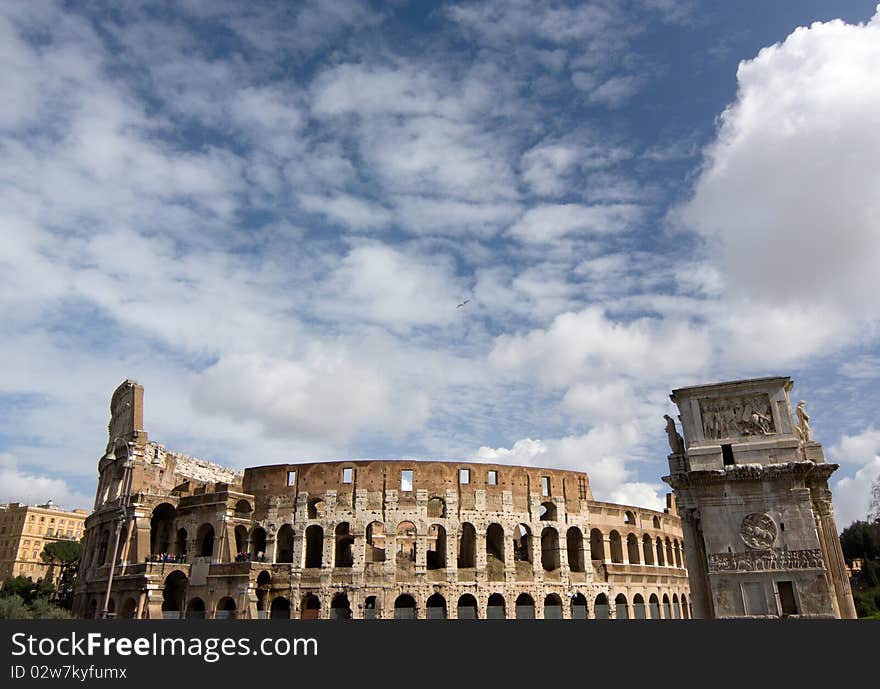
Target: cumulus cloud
x: 548, y: 222
x: 20, y: 485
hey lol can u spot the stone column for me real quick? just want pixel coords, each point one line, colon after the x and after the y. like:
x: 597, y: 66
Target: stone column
x: 698, y: 577
x: 835, y: 566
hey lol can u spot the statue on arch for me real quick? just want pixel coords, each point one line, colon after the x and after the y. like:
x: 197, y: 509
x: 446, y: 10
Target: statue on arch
x: 676, y: 442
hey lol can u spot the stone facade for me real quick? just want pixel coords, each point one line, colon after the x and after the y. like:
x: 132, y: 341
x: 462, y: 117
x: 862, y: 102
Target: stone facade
x: 26, y: 529
x: 365, y: 539
x: 752, y: 490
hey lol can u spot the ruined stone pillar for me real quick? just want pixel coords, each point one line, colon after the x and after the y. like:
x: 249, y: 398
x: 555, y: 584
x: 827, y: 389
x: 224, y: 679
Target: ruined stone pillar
x: 838, y: 578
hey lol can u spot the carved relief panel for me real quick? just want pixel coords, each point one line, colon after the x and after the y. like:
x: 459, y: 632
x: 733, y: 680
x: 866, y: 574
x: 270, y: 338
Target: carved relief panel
x: 733, y: 417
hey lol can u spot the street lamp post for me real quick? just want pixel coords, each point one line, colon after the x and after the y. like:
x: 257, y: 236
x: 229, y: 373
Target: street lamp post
x: 122, y: 519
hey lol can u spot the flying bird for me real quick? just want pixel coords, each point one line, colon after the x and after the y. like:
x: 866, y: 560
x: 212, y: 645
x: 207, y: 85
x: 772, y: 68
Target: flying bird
x: 462, y: 303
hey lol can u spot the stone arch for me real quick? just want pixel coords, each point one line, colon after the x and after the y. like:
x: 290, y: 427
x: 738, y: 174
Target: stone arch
x: 103, y: 546
x: 467, y: 546
x: 370, y: 610
x: 648, y: 549
x: 601, y: 609
x: 225, y: 609
x: 284, y: 545
x: 315, y: 507
x: 174, y: 594
x: 436, y: 554
x: 616, y: 547
x: 639, y: 611
x: 656, y: 522
x: 547, y: 511
x: 550, y: 549
x: 205, y: 540
x: 496, y: 607
x: 495, y: 552
x: 676, y: 607
x: 552, y: 607
x: 93, y: 608
x: 241, y: 542
x: 162, y: 530
x: 670, y: 557
x: 597, y: 546
x: 667, y: 607
x: 621, y: 609
x: 258, y: 544
x: 685, y: 611
x: 129, y: 608
x: 405, y: 607
x: 654, y: 607
x: 264, y: 583
x: 375, y: 542
x: 467, y: 607
x: 574, y: 541
x: 314, y: 555
x: 243, y: 509
x: 522, y: 543
x: 344, y: 557
x: 629, y: 517
x: 195, y: 609
x: 435, y: 607
x: 661, y: 560
x: 632, y: 549
x: 180, y: 542
x: 525, y: 607
x: 436, y: 508
x: 311, y: 607
x: 406, y: 543
x: 677, y: 550
x: 340, y: 607
x: 280, y: 608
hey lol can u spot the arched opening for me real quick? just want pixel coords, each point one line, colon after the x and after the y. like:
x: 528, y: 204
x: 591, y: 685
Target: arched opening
x: 102, y: 548
x: 648, y: 549
x: 467, y: 546
x: 677, y: 550
x: 280, y: 609
x: 629, y: 517
x: 435, y: 608
x: 195, y: 609
x: 205, y: 540
x: 173, y: 595
x: 686, y: 613
x: 597, y: 546
x: 467, y: 607
x: 525, y: 607
x: 405, y: 607
x: 667, y: 607
x: 129, y: 609
x: 552, y: 607
x: 436, y: 554
x: 241, y: 548
x: 522, y: 545
x: 578, y: 606
x: 574, y: 541
x: 495, y: 552
x: 180, y: 545
x: 315, y: 508
x: 547, y: 511
x: 621, y: 609
x: 656, y: 522
x: 258, y: 544
x: 436, y: 508
x: 93, y: 608
x: 264, y: 583
x: 639, y: 611
x: 676, y: 607
x: 550, y: 549
x: 406, y: 544
x: 670, y: 557
x: 495, y: 609
x: 632, y: 549
x: 111, y: 608
x: 340, y: 607
x: 370, y: 608
x: 661, y: 561
x: 375, y: 546
x: 616, y: 547
x: 162, y: 530
x: 311, y: 607
x: 225, y: 609
x: 600, y: 607
x: 284, y: 544
x: 654, y: 606
x: 314, y: 546
x: 344, y: 542
x: 243, y: 509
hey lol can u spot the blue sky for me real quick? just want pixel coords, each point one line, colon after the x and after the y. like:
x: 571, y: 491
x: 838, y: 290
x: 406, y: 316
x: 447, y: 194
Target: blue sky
x: 268, y: 213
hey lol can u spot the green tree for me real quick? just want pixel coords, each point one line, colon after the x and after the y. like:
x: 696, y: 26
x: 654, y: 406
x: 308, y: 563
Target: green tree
x: 66, y: 556
x: 861, y: 540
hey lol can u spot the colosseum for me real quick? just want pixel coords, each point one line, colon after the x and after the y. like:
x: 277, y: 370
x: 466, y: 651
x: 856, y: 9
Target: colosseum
x: 176, y: 537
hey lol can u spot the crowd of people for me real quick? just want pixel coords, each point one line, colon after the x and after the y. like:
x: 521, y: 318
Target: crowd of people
x: 247, y: 557
x: 167, y: 557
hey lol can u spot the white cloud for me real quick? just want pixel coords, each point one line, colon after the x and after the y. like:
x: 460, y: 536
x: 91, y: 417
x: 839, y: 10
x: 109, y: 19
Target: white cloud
x: 18, y: 485
x: 549, y: 222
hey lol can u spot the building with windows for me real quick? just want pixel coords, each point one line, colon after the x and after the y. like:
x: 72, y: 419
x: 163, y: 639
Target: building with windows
x: 26, y: 529
x: 173, y: 536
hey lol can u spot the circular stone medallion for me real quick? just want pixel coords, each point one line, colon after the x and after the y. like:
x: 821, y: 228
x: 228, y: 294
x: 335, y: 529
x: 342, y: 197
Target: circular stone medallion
x: 758, y: 531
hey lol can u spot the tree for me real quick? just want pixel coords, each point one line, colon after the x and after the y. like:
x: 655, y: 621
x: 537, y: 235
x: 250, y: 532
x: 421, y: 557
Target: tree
x: 861, y: 540
x: 66, y: 555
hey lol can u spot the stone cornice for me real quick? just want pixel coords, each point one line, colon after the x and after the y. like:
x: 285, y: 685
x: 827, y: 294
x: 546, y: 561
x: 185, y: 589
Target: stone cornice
x: 751, y: 472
